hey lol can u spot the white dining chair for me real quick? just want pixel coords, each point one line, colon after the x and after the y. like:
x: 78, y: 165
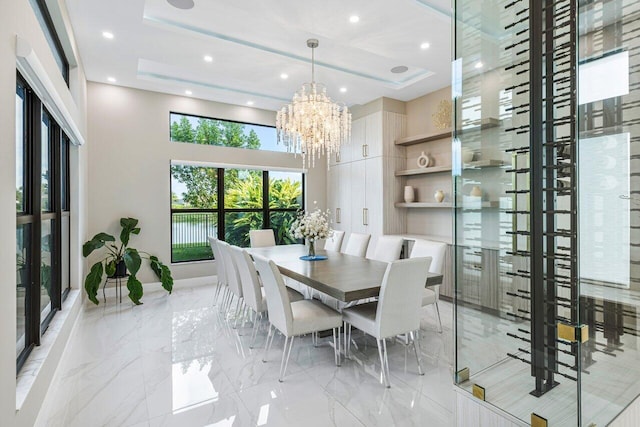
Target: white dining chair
x: 396, y: 312
x: 334, y: 243
x: 437, y: 251
x: 253, y: 293
x: 262, y: 238
x: 357, y: 244
x: 388, y: 248
x: 221, y: 278
x: 293, y: 318
x: 233, y: 280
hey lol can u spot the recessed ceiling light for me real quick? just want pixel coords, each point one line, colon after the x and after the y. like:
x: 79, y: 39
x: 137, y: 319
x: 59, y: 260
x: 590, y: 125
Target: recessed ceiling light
x: 354, y: 19
x: 188, y: 92
x: 479, y: 64
x: 399, y: 69
x: 111, y: 79
x: 182, y: 4
x: 208, y: 58
x: 343, y: 89
x: 107, y: 35
x: 249, y: 102
x: 284, y: 76
x: 425, y: 45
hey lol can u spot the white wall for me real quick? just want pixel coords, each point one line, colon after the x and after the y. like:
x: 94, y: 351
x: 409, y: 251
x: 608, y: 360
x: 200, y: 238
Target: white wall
x: 17, y: 18
x: 130, y: 157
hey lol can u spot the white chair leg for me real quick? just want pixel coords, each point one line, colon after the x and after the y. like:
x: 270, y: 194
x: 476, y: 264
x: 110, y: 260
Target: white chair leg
x: 415, y: 349
x: 286, y: 352
x: 382, y: 352
x: 238, y: 309
x: 336, y: 345
x: 255, y: 329
x: 348, y: 349
x: 215, y: 296
x: 438, y: 313
x: 266, y: 343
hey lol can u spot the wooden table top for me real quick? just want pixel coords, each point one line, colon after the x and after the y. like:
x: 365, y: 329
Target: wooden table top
x: 344, y: 277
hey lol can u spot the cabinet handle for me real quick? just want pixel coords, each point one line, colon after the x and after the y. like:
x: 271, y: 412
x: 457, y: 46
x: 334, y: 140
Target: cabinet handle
x: 366, y: 150
x: 363, y: 155
x: 337, y: 157
x: 337, y: 215
x: 365, y: 216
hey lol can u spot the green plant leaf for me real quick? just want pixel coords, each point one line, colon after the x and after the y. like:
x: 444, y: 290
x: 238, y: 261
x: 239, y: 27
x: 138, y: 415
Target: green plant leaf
x: 135, y: 289
x: 155, y: 266
x: 128, y: 226
x: 110, y: 269
x: 166, y: 279
x: 132, y: 260
x: 92, y: 282
x: 97, y: 242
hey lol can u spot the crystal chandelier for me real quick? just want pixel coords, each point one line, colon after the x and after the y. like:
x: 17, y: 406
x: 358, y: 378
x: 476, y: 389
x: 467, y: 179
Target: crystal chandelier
x: 313, y: 124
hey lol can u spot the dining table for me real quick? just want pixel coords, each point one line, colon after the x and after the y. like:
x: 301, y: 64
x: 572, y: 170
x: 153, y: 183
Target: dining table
x: 346, y: 278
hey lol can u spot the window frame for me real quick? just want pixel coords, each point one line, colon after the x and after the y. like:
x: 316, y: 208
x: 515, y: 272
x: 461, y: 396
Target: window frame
x: 32, y: 215
x: 221, y: 211
x: 57, y: 49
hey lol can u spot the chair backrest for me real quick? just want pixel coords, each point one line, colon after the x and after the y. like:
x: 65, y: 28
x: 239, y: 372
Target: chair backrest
x: 357, y: 244
x: 217, y: 255
x: 248, y: 279
x: 278, y: 303
x: 388, y: 248
x: 400, y: 298
x: 262, y: 238
x: 436, y: 250
x: 334, y: 243
x: 231, y: 271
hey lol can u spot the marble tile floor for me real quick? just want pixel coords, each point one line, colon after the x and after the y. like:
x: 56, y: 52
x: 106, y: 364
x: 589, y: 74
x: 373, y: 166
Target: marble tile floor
x: 175, y: 361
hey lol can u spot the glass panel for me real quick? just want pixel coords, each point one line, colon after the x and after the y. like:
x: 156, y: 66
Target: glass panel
x: 189, y: 233
x: 20, y: 146
x: 285, y: 190
x: 609, y: 258
x: 42, y: 14
x: 281, y: 223
x: 238, y: 224
x: 64, y: 174
x: 242, y: 189
x: 45, y: 169
x: 193, y: 187
x: 23, y: 258
x: 208, y: 131
x: 65, y: 254
x: 46, y: 266
x: 497, y: 346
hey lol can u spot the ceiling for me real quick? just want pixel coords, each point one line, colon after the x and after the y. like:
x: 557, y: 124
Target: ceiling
x: 159, y: 47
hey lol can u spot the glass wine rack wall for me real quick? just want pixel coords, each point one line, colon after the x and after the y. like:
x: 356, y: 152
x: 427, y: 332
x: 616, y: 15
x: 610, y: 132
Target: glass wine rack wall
x: 547, y: 231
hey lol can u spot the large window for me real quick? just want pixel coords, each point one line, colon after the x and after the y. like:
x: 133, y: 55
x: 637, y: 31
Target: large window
x: 223, y: 133
x: 227, y: 203
x: 42, y: 209
x: 46, y: 24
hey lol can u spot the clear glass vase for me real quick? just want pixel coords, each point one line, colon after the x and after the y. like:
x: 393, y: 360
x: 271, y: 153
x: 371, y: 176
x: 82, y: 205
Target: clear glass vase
x: 312, y: 248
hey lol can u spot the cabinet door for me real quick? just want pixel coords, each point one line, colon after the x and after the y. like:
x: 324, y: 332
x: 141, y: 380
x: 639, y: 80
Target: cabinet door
x: 358, y: 189
x: 333, y: 194
x: 343, y: 185
x: 373, y: 135
x: 374, y: 196
x: 355, y: 150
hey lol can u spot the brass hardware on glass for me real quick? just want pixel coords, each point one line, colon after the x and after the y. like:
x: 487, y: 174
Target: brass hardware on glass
x: 538, y: 421
x: 573, y: 333
x: 462, y: 375
x: 338, y: 215
x: 479, y: 392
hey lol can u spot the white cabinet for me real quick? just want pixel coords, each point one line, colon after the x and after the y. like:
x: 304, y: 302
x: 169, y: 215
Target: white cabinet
x: 359, y: 199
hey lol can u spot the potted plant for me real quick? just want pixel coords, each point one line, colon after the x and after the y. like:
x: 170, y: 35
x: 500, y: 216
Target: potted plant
x: 118, y: 259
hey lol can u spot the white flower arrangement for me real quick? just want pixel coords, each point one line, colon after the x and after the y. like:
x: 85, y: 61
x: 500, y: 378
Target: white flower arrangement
x: 311, y: 226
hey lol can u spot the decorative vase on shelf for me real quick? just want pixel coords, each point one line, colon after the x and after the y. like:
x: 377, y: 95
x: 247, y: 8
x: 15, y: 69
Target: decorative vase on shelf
x: 476, y: 191
x: 423, y: 161
x: 312, y: 248
x: 409, y: 195
x: 467, y: 155
x: 439, y: 196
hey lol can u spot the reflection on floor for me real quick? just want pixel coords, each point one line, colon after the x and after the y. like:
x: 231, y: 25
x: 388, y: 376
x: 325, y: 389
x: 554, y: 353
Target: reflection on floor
x: 174, y: 361
x: 607, y: 385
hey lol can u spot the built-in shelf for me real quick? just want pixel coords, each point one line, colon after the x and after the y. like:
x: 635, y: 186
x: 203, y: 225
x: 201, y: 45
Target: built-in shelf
x: 424, y: 137
x: 484, y: 164
x: 423, y: 171
x: 489, y: 122
x: 436, y: 205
